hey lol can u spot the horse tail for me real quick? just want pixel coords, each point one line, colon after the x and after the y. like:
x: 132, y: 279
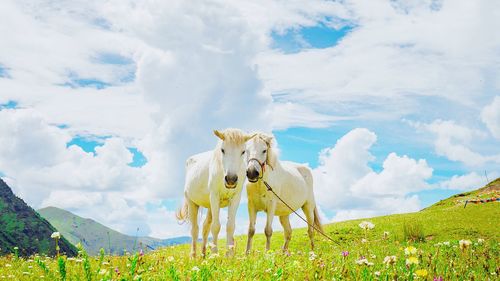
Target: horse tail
x: 183, y: 212
x: 317, y: 221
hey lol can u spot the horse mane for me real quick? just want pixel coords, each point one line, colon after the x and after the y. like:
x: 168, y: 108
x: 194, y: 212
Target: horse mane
x: 230, y: 135
x: 272, y: 151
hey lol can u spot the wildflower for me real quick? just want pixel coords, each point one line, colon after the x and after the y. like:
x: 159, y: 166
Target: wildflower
x: 268, y: 270
x: 480, y: 241
x: 117, y: 271
x: 464, y: 244
x: 446, y: 243
x: 170, y: 259
x: 377, y: 273
x: 211, y: 245
x: 410, y: 250
x: 345, y: 254
x: 411, y: 260
x: 195, y: 268
x: 55, y: 235
x: 364, y: 240
x: 312, y: 256
x: 141, y: 252
x: 389, y: 260
x: 8, y: 265
x: 213, y: 256
x: 364, y: 261
x: 102, y: 271
x: 439, y: 278
x: 366, y: 225
x: 421, y: 272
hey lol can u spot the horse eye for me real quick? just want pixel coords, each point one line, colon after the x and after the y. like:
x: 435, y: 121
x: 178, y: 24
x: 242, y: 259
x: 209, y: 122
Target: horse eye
x: 243, y: 152
x: 222, y: 149
x: 264, y: 151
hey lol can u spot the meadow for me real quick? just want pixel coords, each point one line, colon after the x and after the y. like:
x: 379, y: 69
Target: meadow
x: 443, y: 242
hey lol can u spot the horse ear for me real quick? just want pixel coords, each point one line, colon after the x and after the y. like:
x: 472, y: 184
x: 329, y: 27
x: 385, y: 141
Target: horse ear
x: 219, y: 134
x: 268, y: 139
x: 248, y: 137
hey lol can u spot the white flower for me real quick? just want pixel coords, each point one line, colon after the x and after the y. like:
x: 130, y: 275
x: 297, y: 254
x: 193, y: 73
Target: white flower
x: 8, y: 265
x: 213, y: 256
x: 464, y: 244
x: 377, y: 273
x: 55, y: 235
x: 364, y: 240
x: 102, y: 271
x: 195, y: 268
x: 366, y: 225
x: 480, y: 240
x: 390, y: 260
x: 363, y: 261
x: 446, y: 243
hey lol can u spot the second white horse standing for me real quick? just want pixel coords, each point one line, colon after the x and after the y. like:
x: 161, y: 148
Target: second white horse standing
x: 293, y: 182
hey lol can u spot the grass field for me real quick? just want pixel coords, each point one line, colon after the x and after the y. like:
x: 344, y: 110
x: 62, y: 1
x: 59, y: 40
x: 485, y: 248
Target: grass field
x: 417, y: 246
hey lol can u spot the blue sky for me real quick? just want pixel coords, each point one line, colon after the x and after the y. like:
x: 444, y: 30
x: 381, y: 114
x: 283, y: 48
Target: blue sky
x: 391, y: 108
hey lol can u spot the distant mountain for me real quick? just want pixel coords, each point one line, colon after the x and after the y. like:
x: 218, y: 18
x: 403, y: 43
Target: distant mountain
x: 94, y: 236
x: 22, y: 227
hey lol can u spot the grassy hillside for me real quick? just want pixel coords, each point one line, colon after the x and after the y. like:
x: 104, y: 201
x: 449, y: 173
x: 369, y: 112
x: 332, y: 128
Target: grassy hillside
x: 94, y: 236
x: 22, y: 228
x: 417, y: 246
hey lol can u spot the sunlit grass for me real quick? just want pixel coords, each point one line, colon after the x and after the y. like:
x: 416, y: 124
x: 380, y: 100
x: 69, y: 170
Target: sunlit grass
x: 378, y: 253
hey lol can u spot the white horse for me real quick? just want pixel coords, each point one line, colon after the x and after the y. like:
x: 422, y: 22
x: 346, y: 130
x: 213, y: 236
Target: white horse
x: 214, y: 179
x: 292, y: 182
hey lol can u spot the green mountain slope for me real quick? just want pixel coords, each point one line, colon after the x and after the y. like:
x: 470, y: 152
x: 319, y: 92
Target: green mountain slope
x: 94, y: 235
x: 22, y: 227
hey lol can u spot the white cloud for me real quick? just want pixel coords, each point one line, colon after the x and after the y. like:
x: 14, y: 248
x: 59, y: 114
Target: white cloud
x: 491, y: 117
x: 453, y: 140
x: 466, y: 182
x: 344, y: 182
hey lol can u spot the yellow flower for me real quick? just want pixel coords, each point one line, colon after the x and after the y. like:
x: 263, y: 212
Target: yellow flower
x: 411, y: 260
x: 410, y: 250
x: 421, y: 272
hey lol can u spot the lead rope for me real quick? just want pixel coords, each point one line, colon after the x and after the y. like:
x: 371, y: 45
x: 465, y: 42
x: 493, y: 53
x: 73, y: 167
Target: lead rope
x: 269, y: 188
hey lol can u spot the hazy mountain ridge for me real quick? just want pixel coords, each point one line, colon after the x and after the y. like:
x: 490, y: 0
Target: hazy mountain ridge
x: 94, y: 236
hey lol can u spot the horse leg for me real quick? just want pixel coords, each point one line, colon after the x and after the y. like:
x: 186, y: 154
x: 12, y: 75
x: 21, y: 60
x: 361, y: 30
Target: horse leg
x: 269, y: 223
x: 309, y: 212
x: 214, y: 207
x: 193, y: 218
x: 206, y: 229
x: 285, y: 222
x: 231, y: 223
x: 252, y: 214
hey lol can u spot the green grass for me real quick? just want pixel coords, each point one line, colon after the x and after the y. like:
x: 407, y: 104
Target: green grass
x: 438, y: 255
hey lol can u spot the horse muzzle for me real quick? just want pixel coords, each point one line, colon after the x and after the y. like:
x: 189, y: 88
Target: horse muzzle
x: 253, y: 175
x: 230, y: 181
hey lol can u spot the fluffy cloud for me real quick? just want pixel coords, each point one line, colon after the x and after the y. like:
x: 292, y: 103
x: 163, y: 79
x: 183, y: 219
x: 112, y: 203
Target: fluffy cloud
x: 491, y: 117
x: 345, y: 182
x: 453, y: 141
x: 466, y: 182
